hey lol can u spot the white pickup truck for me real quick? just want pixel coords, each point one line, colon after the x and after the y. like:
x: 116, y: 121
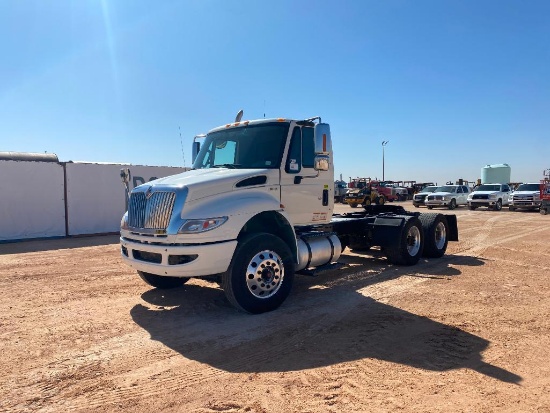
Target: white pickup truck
x: 492, y: 196
x: 525, y: 196
x: 256, y: 208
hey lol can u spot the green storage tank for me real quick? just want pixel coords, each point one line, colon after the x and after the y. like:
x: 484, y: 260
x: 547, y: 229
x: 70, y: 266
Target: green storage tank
x: 496, y: 174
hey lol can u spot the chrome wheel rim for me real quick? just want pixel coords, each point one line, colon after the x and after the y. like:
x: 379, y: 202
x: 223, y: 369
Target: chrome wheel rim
x: 265, y: 274
x: 440, y: 235
x: 413, y: 241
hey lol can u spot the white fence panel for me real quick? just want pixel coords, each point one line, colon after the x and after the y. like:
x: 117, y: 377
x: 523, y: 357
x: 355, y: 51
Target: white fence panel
x: 31, y: 200
x: 96, y: 196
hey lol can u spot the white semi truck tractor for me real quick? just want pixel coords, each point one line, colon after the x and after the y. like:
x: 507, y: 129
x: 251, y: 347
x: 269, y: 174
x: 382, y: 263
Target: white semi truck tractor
x: 256, y: 209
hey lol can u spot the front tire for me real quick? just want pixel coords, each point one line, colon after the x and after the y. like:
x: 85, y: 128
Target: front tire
x: 435, y: 229
x: 162, y: 282
x: 498, y: 205
x: 410, y: 245
x: 452, y: 204
x: 260, y: 275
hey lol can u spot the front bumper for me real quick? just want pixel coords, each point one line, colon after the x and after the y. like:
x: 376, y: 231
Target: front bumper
x: 482, y: 203
x: 525, y: 204
x: 436, y: 203
x: 155, y: 259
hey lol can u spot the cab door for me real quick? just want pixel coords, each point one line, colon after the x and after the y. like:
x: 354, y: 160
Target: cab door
x: 306, y: 194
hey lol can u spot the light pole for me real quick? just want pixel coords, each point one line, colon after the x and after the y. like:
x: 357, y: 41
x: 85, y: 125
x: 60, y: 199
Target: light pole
x: 384, y: 143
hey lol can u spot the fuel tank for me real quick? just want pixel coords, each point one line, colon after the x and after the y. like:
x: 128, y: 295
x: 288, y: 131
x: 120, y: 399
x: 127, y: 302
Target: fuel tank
x: 315, y: 250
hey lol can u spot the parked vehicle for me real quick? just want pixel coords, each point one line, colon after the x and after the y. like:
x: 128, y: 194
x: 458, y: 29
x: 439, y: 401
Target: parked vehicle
x: 364, y: 197
x: 401, y: 193
x: 419, y: 198
x: 545, y: 192
x: 340, y: 191
x: 449, y: 196
x: 492, y: 196
x: 256, y: 208
x: 526, y: 196
x: 385, y: 192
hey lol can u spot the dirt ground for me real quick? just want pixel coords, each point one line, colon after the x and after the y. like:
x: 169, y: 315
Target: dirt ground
x: 468, y: 332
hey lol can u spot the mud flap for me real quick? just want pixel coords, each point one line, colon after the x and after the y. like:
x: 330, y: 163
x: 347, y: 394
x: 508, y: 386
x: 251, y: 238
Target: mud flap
x: 386, y: 231
x: 453, y: 227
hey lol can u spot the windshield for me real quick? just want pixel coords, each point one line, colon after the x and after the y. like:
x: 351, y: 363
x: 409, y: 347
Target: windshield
x: 528, y: 187
x: 488, y: 188
x: 430, y: 189
x: 255, y: 146
x: 446, y: 189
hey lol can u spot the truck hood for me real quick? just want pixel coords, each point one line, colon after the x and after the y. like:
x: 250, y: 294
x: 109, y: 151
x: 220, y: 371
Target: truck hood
x: 442, y: 193
x: 484, y: 193
x: 525, y: 193
x: 207, y: 182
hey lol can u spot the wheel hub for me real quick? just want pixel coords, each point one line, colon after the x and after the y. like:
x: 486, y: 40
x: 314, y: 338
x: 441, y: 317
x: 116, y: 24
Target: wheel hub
x: 413, y: 241
x: 440, y: 235
x: 264, y: 274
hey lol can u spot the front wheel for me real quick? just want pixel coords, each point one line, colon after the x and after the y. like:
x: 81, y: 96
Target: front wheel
x: 498, y: 205
x: 260, y: 275
x: 511, y: 208
x: 162, y: 282
x: 472, y: 207
x: 410, y: 245
x: 452, y: 204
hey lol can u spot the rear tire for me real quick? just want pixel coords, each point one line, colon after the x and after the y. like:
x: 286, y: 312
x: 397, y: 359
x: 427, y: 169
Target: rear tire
x: 260, y: 275
x: 409, y: 248
x: 162, y: 282
x: 435, y: 229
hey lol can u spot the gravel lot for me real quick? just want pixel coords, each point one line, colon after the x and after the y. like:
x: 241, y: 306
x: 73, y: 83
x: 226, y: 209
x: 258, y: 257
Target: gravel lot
x: 469, y: 332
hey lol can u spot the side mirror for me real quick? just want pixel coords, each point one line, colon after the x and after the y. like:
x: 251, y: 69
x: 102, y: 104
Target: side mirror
x: 196, y: 147
x: 322, y: 139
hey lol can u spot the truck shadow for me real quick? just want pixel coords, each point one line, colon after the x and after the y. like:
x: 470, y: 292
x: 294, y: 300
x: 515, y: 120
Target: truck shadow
x: 330, y: 323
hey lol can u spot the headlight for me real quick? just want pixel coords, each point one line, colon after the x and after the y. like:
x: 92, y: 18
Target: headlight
x: 470, y: 197
x: 443, y: 198
x: 195, y: 226
x: 124, y: 221
x: 492, y: 196
x: 536, y: 197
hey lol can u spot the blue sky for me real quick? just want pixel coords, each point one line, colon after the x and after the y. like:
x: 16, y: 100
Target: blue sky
x: 452, y: 85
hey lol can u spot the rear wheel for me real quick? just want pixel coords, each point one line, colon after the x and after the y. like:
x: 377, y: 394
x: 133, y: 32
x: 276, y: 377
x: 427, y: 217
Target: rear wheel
x: 162, y: 282
x: 435, y: 229
x: 260, y: 275
x: 410, y: 245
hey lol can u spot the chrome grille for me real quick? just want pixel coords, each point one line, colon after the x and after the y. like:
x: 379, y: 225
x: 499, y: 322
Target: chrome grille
x: 152, y: 213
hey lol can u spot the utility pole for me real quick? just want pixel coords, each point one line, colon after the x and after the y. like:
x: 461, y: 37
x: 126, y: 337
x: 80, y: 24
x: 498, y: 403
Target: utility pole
x: 384, y: 143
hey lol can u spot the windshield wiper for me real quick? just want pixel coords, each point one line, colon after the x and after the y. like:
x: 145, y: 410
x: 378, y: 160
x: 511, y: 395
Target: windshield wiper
x: 227, y: 165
